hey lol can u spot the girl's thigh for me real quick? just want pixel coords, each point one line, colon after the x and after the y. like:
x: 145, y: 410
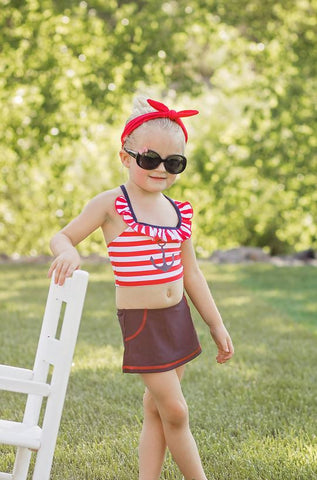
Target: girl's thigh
x: 165, y: 388
x: 180, y: 371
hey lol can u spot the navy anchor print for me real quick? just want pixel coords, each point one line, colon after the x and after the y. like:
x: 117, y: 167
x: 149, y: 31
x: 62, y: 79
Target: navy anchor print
x: 165, y: 267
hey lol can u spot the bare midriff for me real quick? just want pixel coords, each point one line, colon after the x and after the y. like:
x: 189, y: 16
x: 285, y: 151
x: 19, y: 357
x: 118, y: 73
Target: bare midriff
x: 150, y: 296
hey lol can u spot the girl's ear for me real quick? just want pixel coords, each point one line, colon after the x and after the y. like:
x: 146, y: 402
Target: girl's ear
x: 125, y: 158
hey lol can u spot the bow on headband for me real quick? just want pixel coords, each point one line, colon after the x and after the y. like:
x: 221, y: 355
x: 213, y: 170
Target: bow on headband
x: 162, y: 111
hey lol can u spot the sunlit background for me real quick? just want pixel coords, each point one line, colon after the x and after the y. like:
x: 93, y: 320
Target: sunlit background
x: 69, y: 72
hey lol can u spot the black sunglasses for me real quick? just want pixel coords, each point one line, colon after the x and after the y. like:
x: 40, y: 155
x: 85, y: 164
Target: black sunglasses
x: 151, y: 160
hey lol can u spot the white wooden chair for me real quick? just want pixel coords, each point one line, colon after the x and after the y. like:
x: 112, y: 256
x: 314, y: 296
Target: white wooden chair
x: 56, y: 347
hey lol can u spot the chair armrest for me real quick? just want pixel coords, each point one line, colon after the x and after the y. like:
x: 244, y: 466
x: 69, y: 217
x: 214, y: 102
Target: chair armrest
x: 14, y: 372
x: 24, y: 386
x: 6, y: 476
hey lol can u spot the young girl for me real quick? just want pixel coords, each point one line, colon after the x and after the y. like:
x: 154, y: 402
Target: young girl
x: 148, y: 239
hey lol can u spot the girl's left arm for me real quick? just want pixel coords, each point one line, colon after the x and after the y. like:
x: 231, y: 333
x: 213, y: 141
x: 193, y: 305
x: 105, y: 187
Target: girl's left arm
x: 197, y: 288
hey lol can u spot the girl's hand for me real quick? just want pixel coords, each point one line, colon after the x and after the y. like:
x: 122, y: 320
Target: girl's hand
x: 223, y: 342
x: 64, y: 265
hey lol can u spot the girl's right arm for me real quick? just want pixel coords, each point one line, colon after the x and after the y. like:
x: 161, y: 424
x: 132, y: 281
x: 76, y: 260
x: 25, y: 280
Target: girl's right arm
x: 63, y: 244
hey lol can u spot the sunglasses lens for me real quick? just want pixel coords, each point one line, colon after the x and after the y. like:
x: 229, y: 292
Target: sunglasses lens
x: 150, y: 160
x: 175, y: 164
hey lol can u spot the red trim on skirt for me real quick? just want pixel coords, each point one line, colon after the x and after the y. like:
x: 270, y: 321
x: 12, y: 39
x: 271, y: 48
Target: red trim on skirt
x: 127, y: 339
x: 158, y: 340
x: 166, y: 366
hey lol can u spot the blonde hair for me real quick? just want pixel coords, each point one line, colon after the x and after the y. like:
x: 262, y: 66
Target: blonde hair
x: 140, y: 107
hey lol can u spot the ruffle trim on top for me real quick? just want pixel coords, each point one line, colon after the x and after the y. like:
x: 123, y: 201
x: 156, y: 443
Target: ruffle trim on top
x: 164, y: 234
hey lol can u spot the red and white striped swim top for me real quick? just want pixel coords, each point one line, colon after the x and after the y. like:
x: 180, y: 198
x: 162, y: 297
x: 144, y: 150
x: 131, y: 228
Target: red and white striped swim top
x: 145, y: 254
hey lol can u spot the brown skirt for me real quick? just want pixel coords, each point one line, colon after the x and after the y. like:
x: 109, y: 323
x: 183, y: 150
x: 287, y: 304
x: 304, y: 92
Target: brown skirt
x: 158, y: 340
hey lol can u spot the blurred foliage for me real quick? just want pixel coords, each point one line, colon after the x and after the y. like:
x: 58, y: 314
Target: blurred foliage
x: 69, y: 71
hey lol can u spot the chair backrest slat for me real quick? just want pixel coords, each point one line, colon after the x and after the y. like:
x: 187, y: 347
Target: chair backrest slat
x: 53, y: 351
x: 49, y: 377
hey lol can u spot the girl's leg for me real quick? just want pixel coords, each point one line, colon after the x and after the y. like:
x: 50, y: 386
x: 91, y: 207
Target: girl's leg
x: 152, y: 445
x: 166, y: 392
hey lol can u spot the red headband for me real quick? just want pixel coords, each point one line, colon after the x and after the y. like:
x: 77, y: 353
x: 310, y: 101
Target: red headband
x: 162, y: 111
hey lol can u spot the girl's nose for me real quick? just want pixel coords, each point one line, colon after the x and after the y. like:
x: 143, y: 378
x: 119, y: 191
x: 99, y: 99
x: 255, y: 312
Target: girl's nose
x: 161, y: 167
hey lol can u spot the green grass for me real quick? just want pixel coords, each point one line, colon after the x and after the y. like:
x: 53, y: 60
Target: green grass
x: 254, y: 418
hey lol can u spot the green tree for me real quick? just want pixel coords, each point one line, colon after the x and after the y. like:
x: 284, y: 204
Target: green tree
x: 68, y: 74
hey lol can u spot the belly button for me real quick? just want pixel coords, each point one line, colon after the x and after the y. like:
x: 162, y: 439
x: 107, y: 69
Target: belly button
x: 168, y: 293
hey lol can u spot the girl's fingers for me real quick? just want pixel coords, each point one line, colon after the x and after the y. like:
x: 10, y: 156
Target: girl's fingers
x: 63, y: 266
x: 61, y: 272
x: 51, y: 269
x: 49, y: 273
x: 70, y: 270
x: 225, y: 352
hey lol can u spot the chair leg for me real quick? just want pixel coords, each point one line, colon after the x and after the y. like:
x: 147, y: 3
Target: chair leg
x: 21, y: 464
x: 43, y: 463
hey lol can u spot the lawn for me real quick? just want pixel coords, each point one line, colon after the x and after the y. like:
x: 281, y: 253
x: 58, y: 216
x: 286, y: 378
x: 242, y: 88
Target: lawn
x: 254, y: 418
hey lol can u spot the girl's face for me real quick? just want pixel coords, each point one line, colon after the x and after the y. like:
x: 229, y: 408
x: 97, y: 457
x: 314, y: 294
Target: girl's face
x: 162, y: 142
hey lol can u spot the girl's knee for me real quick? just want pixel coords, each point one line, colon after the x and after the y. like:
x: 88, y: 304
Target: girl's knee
x: 176, y: 413
x: 173, y: 412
